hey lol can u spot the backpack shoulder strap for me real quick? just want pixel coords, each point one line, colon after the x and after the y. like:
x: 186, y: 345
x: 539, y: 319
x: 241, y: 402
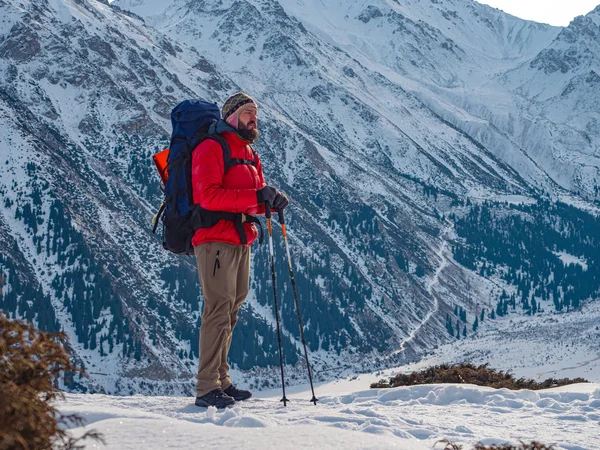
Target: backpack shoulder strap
x: 214, y: 132
x: 254, y: 156
x: 249, y: 162
x: 227, y: 162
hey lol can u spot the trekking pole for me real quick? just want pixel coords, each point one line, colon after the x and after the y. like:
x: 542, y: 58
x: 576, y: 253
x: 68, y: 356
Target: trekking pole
x: 289, y: 258
x: 270, y: 231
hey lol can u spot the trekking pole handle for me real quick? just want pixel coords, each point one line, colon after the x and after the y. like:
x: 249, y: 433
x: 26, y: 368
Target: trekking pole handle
x: 267, y: 210
x: 284, y: 231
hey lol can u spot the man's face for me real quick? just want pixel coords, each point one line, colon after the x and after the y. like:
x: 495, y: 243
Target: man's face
x: 248, y: 124
x: 247, y: 120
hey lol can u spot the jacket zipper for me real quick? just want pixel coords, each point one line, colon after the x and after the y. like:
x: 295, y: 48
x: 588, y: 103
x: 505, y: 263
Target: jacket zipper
x: 217, y: 263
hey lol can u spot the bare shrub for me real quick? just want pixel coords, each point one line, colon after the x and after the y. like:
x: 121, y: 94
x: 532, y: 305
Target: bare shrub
x: 534, y: 445
x: 30, y: 363
x: 522, y: 446
x: 469, y: 374
x: 449, y: 445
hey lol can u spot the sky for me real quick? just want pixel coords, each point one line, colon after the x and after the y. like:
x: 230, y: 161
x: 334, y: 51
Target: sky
x: 554, y: 12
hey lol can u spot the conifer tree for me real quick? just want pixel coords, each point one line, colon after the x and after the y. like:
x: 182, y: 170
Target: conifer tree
x: 449, y: 325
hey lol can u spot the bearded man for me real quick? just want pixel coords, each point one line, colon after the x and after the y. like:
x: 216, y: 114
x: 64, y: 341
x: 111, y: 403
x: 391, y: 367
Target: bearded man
x: 223, y: 251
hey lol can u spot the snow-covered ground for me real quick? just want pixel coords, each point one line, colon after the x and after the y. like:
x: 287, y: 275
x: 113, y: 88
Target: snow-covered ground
x: 550, y: 345
x: 349, y: 415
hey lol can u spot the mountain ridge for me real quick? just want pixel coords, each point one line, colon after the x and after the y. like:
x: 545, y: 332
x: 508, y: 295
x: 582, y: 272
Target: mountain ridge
x: 372, y: 164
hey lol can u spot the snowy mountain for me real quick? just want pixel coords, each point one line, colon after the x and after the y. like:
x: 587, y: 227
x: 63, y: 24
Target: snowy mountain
x: 403, y: 133
x: 560, y: 91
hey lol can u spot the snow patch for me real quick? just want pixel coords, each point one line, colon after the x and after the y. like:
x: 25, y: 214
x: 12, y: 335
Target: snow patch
x: 567, y: 259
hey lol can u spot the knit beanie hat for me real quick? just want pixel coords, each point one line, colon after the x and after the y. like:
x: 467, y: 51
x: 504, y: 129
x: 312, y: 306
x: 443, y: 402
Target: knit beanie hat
x: 234, y: 105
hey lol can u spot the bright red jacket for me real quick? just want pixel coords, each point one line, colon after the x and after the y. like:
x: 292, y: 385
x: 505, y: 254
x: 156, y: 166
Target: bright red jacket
x: 233, y: 191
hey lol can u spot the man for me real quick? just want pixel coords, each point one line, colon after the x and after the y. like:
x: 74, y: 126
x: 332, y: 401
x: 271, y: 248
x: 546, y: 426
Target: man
x: 222, y: 256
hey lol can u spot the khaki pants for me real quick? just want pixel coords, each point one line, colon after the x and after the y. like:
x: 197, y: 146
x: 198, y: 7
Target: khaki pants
x: 224, y: 271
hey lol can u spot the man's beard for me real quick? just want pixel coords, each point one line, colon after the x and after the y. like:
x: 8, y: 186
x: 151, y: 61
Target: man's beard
x: 249, y: 135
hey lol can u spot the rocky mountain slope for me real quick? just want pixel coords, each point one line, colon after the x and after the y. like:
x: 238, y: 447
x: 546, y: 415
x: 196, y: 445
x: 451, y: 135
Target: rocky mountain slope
x: 385, y: 123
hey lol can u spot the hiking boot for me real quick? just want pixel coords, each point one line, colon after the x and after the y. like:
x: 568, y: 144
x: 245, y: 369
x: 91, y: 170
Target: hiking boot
x: 237, y: 394
x: 216, y: 398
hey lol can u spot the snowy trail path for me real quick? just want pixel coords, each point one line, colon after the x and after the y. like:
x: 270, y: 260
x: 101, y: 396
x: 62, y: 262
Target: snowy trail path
x: 413, y: 417
x: 434, y: 281
x: 555, y: 372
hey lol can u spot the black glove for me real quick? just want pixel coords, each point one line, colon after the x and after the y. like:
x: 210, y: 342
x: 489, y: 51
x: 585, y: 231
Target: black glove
x: 280, y: 202
x: 266, y: 194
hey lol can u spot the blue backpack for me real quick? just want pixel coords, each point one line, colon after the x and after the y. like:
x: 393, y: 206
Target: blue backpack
x: 193, y: 121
